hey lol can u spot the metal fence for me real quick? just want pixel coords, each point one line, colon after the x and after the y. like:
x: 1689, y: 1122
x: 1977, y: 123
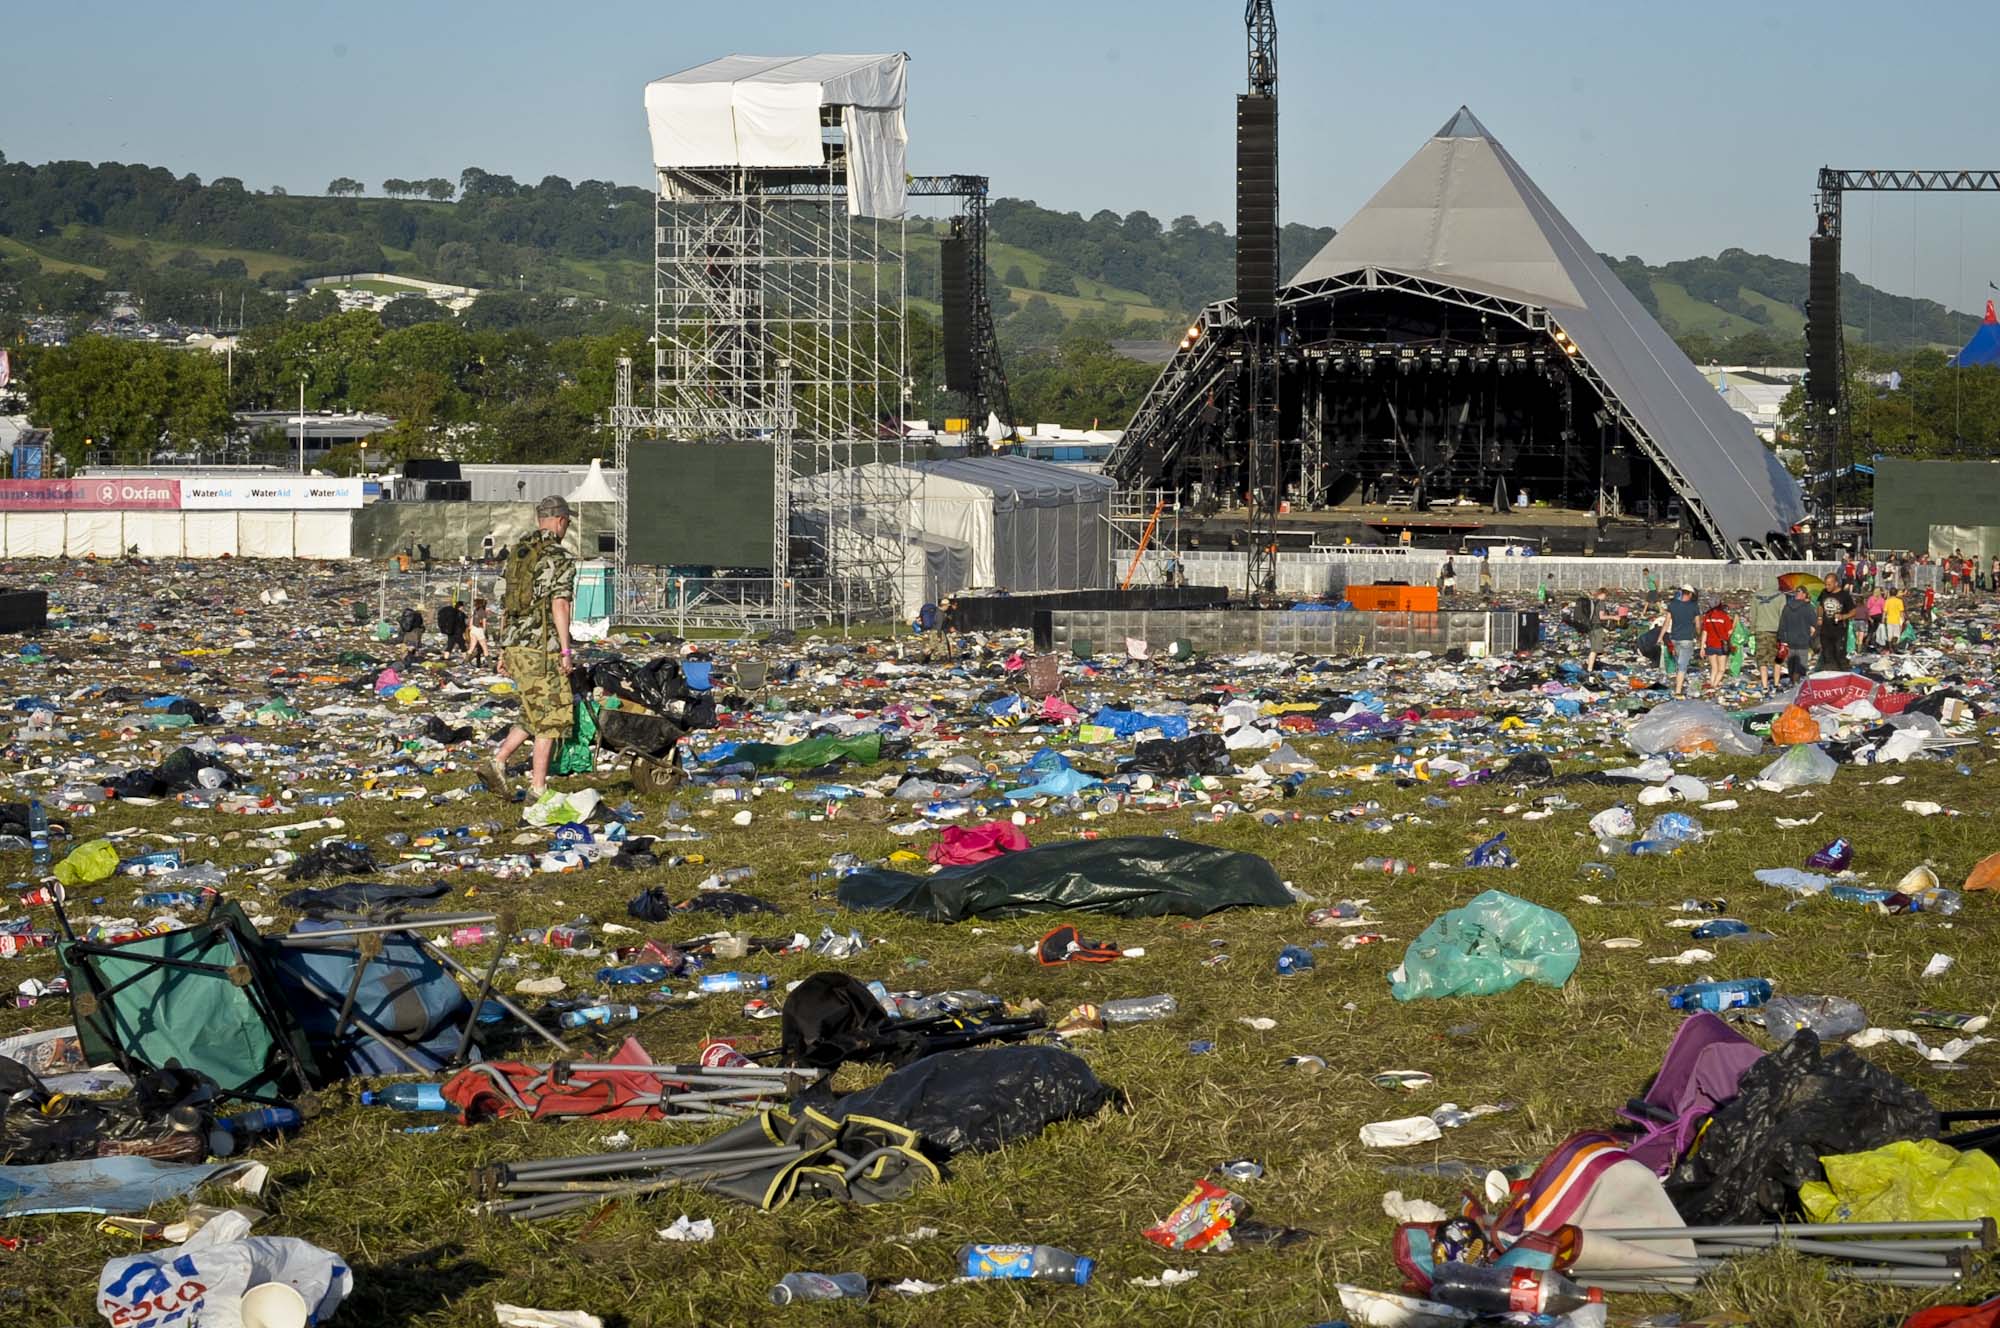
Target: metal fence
x: 1327, y: 571
x: 1310, y: 633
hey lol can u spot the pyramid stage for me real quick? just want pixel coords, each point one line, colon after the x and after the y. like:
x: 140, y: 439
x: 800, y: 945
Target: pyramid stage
x: 1457, y: 340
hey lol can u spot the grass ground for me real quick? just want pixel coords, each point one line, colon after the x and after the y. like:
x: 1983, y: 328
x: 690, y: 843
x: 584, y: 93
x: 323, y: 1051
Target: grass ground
x: 256, y: 261
x: 398, y: 1207
x: 13, y: 248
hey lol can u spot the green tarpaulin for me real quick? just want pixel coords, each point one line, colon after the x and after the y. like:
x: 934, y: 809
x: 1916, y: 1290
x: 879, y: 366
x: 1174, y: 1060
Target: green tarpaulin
x: 865, y: 749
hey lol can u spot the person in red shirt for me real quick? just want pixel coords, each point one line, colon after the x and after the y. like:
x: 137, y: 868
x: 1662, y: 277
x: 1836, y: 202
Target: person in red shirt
x: 1716, y: 625
x: 1930, y: 603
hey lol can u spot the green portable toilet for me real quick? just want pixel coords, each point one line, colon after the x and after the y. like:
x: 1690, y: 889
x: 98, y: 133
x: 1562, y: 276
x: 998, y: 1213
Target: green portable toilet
x: 593, y: 591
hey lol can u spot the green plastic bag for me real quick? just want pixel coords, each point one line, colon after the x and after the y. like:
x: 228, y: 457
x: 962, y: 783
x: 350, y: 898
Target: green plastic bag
x: 577, y: 754
x: 1913, y: 1180
x: 862, y: 749
x: 1492, y: 944
x: 88, y: 864
x: 1739, y: 646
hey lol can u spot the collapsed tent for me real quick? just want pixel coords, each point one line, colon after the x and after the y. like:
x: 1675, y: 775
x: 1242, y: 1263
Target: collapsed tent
x: 1134, y: 877
x: 1792, y: 1108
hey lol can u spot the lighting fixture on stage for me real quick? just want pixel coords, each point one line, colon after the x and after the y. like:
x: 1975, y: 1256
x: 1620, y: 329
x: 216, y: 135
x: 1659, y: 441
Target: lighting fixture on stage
x: 1193, y: 335
x: 1562, y: 340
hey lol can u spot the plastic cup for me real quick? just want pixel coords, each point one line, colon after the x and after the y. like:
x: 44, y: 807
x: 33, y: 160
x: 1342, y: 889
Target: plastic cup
x: 273, y: 1305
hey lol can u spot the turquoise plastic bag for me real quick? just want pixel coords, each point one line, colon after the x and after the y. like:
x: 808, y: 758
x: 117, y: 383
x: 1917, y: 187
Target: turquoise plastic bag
x: 1492, y: 944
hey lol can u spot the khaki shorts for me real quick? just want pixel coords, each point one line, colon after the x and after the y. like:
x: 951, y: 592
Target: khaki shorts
x: 1765, y: 649
x: 547, y: 707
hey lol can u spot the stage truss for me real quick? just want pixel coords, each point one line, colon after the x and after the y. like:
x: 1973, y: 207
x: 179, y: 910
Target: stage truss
x: 1210, y: 356
x: 778, y: 317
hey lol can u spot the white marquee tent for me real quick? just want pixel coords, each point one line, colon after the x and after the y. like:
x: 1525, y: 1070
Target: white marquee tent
x: 1023, y: 525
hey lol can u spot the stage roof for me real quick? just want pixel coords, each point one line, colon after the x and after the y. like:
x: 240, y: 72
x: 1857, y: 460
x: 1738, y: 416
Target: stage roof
x: 1464, y: 214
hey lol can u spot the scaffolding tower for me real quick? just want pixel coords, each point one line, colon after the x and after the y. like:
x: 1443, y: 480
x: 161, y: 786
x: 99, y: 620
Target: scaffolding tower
x: 779, y: 317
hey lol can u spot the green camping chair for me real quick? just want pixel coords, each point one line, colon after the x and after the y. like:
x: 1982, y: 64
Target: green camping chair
x: 200, y: 998
x: 270, y: 1019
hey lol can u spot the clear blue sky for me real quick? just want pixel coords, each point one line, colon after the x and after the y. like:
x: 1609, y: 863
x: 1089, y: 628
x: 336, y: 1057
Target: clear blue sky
x: 1662, y: 130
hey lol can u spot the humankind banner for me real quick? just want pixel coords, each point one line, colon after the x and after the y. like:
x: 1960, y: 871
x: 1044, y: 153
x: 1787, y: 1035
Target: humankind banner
x: 90, y: 495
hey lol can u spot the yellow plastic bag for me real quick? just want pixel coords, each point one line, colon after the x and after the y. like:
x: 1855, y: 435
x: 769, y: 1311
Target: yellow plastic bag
x: 1914, y: 1180
x: 90, y: 863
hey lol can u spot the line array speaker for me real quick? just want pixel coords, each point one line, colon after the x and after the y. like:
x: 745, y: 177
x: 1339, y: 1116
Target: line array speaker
x: 1823, y: 321
x: 961, y: 373
x: 1257, y: 207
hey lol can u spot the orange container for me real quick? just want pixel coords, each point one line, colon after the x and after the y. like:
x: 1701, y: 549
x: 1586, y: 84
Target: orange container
x: 1394, y: 599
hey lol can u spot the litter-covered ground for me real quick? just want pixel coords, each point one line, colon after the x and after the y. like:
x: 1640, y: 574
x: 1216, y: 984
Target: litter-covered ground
x: 1337, y: 1032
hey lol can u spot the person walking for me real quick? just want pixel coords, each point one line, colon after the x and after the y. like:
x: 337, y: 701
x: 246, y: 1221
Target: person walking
x: 1837, y: 608
x: 1765, y: 611
x: 1448, y: 577
x: 1716, y: 627
x: 1892, y: 619
x: 476, y: 648
x: 1872, y: 613
x: 535, y: 646
x: 1683, y: 620
x: 1796, y: 625
x: 1595, y: 613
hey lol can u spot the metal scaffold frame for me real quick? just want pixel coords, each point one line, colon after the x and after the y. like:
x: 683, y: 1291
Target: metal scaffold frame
x: 779, y: 317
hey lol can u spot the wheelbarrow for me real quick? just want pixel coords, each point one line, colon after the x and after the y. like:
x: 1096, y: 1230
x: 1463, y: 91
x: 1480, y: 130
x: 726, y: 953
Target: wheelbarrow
x: 652, y: 742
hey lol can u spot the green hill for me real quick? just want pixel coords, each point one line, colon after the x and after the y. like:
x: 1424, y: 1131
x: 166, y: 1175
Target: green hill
x: 71, y: 230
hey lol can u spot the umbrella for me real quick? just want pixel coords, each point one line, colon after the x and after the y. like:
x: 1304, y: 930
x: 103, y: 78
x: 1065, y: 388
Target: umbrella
x: 1811, y: 583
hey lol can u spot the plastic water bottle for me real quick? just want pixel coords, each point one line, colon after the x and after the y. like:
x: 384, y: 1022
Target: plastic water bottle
x: 632, y: 975
x: 1294, y: 959
x: 230, y: 1131
x: 819, y: 1286
x: 1720, y: 929
x: 1703, y: 906
x: 718, y: 983
x: 1715, y: 997
x: 1938, y: 899
x: 602, y: 1015
x: 1139, y: 1009
x: 478, y: 934
x: 38, y: 831
x: 1043, y: 1263
x: 723, y: 879
x: 1387, y: 866
x: 170, y: 899
x: 1485, y: 1289
x: 408, y: 1097
x: 1652, y: 848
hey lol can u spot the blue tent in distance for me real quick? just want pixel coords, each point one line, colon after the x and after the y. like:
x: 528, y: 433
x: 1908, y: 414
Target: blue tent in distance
x: 1984, y: 348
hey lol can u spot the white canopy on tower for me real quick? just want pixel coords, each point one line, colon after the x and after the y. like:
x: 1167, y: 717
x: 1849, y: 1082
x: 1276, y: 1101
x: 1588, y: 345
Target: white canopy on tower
x: 764, y: 111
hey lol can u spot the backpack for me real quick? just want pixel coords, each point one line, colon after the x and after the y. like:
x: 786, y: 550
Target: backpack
x: 517, y: 598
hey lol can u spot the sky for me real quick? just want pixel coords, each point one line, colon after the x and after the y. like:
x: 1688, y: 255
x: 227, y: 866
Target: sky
x: 1666, y: 131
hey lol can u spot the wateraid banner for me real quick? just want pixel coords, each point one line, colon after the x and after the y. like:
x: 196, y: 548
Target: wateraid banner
x: 90, y: 495
x: 269, y: 493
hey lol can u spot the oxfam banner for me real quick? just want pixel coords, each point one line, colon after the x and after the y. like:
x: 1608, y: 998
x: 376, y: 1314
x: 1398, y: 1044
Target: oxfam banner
x: 90, y: 495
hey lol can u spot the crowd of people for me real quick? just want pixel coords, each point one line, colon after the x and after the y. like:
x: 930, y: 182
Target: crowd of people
x: 1775, y: 636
